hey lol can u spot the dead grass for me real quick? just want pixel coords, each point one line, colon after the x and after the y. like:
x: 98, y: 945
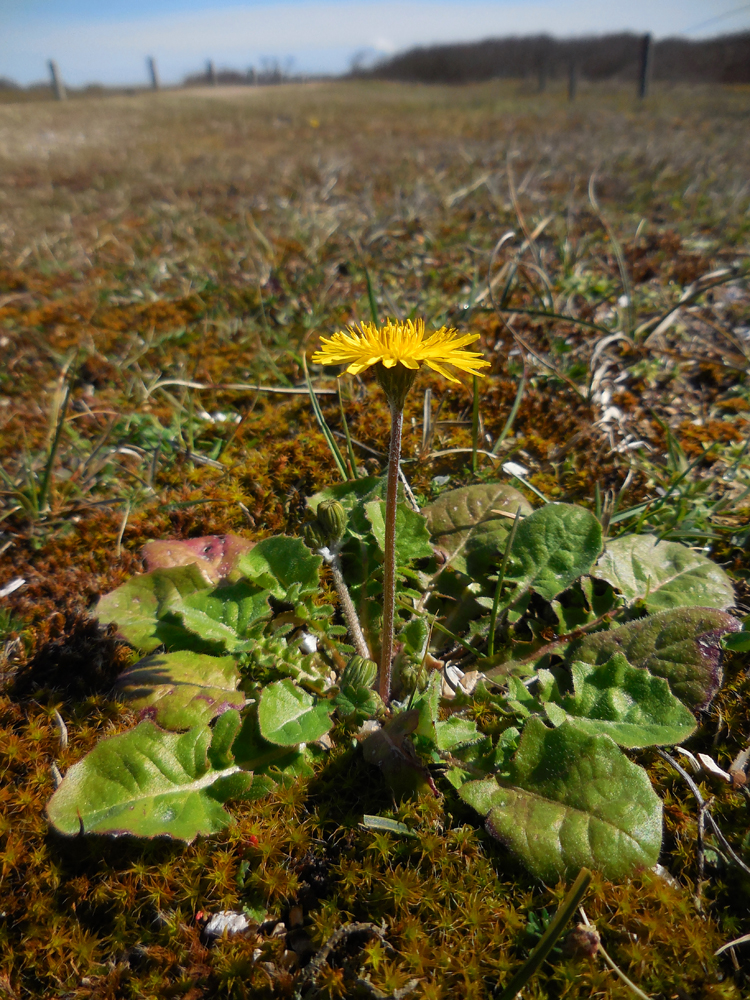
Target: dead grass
x: 209, y: 237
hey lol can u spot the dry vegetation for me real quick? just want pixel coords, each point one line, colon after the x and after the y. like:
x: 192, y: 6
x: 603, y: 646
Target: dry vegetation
x: 154, y: 244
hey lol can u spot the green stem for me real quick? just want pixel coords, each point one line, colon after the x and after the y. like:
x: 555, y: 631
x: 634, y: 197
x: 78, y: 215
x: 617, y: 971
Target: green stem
x: 389, y: 561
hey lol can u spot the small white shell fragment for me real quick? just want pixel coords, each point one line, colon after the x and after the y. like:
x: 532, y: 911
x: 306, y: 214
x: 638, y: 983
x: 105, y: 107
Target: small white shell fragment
x: 453, y: 675
x: 694, y: 762
x: 308, y: 643
x: 370, y: 726
x: 226, y: 923
x: 515, y: 469
x: 62, y: 728
x: 712, y: 767
x: 470, y: 680
x: 12, y: 587
x: 662, y: 873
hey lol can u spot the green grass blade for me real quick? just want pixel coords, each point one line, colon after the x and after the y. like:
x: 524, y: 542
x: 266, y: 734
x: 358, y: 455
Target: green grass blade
x: 371, y: 296
x: 338, y: 458
x: 550, y: 937
x: 347, y: 435
x: 512, y: 415
x: 499, y: 585
x: 47, y: 474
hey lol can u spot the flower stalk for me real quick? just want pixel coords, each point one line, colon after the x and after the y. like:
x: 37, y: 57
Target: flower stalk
x: 347, y: 605
x: 397, y: 350
x: 389, y: 555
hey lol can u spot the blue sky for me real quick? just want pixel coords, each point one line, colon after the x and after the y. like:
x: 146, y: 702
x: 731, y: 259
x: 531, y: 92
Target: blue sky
x: 107, y: 41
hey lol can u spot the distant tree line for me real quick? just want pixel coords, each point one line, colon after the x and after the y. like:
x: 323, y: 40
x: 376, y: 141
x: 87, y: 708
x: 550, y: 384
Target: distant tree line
x: 724, y: 59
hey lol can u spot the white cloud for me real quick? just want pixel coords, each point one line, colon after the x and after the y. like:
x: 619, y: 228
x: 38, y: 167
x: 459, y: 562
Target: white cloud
x: 320, y: 35
x: 384, y: 45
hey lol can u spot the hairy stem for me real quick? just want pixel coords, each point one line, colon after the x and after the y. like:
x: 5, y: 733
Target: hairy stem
x: 389, y: 562
x: 347, y: 606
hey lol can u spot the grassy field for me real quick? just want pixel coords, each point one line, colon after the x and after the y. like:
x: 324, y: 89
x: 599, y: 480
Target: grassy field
x: 162, y: 256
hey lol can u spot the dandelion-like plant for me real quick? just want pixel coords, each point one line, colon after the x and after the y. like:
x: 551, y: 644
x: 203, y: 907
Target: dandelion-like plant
x: 397, y: 350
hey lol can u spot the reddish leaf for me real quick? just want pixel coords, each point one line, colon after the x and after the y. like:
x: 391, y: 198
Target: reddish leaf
x: 216, y: 555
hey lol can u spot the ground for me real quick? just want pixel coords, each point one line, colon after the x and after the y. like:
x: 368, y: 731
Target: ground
x: 166, y: 262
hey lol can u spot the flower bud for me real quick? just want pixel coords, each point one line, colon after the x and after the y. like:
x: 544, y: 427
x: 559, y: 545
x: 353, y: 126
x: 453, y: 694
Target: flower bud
x: 331, y: 517
x: 314, y: 536
x: 359, y: 673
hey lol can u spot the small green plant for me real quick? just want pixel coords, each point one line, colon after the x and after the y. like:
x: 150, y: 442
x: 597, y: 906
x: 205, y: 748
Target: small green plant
x: 519, y: 654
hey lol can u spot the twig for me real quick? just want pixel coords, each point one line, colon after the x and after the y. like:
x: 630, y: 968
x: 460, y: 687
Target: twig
x: 730, y: 944
x: 359, y: 444
x: 407, y: 490
x: 615, y: 968
x: 239, y: 387
x: 310, y: 972
x: 121, y: 532
x: 704, y: 806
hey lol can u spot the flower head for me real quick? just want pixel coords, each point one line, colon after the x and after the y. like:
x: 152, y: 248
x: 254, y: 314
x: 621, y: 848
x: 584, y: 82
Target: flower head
x: 401, y: 344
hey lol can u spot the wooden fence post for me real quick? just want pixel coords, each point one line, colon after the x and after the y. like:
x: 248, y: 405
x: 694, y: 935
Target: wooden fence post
x: 58, y: 86
x: 154, y: 73
x: 211, y: 73
x: 644, y: 76
x: 572, y: 80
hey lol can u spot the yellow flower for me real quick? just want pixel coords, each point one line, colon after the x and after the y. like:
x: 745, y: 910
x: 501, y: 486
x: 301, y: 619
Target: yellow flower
x: 401, y: 343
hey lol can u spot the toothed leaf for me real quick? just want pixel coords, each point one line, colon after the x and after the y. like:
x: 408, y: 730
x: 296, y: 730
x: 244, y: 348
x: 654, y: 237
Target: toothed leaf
x: 571, y: 800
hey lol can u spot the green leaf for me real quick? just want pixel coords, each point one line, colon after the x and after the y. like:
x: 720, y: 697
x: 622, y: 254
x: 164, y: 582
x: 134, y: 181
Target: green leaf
x: 466, y: 528
x: 522, y: 701
x: 265, y: 759
x: 553, y: 547
x: 287, y: 715
x: 149, y: 783
x: 278, y: 562
x: 226, y: 728
x: 387, y: 825
x: 454, y: 732
x: 683, y: 646
x: 216, y: 556
x: 183, y: 689
x: 572, y: 800
x: 625, y: 703
x: 428, y: 706
x: 225, y: 614
x: 348, y: 494
x: 357, y: 703
x: 482, y: 757
x: 412, y: 535
x: 414, y: 636
x: 738, y: 643
x: 663, y: 574
x: 140, y: 604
